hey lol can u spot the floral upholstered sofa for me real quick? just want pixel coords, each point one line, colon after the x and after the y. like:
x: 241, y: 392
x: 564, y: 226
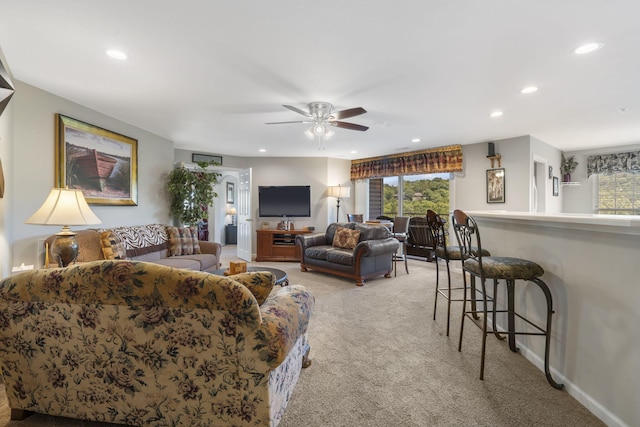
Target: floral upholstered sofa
x: 157, y: 243
x: 143, y: 344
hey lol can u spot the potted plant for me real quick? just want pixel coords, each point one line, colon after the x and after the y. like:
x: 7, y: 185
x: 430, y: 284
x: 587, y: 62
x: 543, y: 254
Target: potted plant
x: 192, y: 192
x: 567, y: 167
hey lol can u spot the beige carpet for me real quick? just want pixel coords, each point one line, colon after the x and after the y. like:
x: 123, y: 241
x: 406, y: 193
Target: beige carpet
x: 379, y: 359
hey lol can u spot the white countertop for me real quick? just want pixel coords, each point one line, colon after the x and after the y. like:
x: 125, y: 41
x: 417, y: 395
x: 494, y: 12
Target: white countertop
x: 626, y: 224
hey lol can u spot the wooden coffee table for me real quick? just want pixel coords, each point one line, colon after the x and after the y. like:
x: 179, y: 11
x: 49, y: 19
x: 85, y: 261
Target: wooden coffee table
x: 281, y: 276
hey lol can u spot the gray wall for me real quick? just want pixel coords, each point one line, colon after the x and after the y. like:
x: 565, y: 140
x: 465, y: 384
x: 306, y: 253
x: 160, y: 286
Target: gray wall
x: 468, y: 189
x: 6, y: 148
x: 317, y: 172
x: 582, y: 199
x: 33, y: 149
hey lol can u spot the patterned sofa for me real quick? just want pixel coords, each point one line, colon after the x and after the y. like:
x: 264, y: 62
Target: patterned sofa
x: 353, y: 250
x: 137, y: 343
x: 157, y: 243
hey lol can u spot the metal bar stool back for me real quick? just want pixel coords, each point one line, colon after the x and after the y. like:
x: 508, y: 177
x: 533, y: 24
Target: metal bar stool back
x: 401, y: 233
x: 446, y: 253
x: 476, y: 264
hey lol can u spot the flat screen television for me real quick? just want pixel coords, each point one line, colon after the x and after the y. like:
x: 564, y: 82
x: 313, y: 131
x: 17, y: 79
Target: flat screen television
x: 284, y: 200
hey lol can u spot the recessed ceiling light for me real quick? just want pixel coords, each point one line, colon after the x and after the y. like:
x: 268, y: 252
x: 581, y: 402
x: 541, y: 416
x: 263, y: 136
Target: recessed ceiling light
x: 529, y: 89
x: 354, y: 151
x: 496, y: 114
x: 415, y: 140
x: 116, y: 54
x: 587, y: 48
x: 262, y: 150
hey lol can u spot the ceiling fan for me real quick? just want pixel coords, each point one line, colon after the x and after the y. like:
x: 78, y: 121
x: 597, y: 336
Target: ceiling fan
x: 321, y: 114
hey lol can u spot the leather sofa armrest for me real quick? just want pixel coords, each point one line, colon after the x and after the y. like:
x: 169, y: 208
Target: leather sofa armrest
x: 377, y: 247
x: 212, y: 248
x: 309, y: 240
x: 285, y: 318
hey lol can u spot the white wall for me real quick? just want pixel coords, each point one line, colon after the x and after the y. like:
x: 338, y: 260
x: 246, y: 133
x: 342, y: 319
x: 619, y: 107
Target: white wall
x: 33, y: 149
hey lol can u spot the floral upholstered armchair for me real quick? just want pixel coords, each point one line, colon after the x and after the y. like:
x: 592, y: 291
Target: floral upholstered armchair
x: 143, y: 344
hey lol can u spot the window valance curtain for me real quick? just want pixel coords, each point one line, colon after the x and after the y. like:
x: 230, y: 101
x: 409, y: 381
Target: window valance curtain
x: 607, y: 164
x: 435, y: 160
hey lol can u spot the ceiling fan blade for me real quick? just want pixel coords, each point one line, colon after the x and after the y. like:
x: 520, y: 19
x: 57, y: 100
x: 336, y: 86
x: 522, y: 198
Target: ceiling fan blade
x: 281, y: 123
x: 347, y: 125
x: 351, y: 112
x: 297, y: 110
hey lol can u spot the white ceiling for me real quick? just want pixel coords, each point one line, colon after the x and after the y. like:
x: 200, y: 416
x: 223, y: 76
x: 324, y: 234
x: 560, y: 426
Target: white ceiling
x: 208, y: 74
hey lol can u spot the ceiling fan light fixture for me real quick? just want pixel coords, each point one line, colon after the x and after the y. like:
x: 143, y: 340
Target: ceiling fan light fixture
x: 319, y: 129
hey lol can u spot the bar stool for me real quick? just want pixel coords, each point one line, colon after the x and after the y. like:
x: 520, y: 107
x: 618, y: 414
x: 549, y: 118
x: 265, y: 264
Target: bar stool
x: 498, y: 268
x: 438, y: 237
x: 400, y: 232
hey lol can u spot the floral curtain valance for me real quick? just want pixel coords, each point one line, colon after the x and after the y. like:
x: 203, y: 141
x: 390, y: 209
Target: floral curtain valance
x: 607, y: 164
x: 436, y: 160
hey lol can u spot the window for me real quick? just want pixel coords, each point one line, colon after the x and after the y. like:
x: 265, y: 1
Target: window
x: 618, y: 194
x: 417, y: 194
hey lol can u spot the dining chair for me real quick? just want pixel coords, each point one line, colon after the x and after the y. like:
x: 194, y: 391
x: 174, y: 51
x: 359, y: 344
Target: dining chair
x: 355, y: 217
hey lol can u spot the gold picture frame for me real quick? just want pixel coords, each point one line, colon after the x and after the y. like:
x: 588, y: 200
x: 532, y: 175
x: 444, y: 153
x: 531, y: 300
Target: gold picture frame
x: 101, y: 163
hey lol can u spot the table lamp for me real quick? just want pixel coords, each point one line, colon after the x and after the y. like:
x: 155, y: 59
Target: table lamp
x: 339, y: 192
x: 64, y: 207
x: 233, y: 211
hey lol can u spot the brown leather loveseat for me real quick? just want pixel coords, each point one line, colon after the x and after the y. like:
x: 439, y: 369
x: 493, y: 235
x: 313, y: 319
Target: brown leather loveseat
x: 365, y: 251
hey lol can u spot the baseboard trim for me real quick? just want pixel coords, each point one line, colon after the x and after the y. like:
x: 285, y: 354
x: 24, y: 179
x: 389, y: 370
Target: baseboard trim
x: 599, y: 410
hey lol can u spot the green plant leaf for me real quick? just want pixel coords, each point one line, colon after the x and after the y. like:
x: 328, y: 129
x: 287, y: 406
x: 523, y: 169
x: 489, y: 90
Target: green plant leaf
x: 192, y: 192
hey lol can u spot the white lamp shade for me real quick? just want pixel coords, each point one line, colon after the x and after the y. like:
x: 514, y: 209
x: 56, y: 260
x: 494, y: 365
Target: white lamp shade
x: 232, y: 211
x: 64, y: 207
x: 339, y: 192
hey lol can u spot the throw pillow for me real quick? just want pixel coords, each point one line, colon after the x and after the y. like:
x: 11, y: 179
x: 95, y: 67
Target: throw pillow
x: 259, y: 283
x: 346, y: 238
x: 194, y: 239
x: 186, y: 241
x: 175, y: 244
x: 112, y: 246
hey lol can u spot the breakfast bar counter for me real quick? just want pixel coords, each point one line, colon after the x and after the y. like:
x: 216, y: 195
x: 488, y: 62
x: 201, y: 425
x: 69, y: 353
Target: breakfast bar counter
x: 592, y: 266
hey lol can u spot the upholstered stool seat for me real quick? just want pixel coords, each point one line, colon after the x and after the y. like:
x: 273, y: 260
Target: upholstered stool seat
x: 505, y: 268
x: 477, y: 264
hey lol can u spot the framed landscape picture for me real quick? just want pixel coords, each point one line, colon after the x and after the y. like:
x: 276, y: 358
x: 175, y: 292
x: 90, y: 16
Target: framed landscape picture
x: 101, y: 163
x: 495, y: 185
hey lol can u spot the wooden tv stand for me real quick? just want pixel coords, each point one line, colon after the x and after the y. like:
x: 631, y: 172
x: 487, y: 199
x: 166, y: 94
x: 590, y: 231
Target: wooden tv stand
x: 278, y: 245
